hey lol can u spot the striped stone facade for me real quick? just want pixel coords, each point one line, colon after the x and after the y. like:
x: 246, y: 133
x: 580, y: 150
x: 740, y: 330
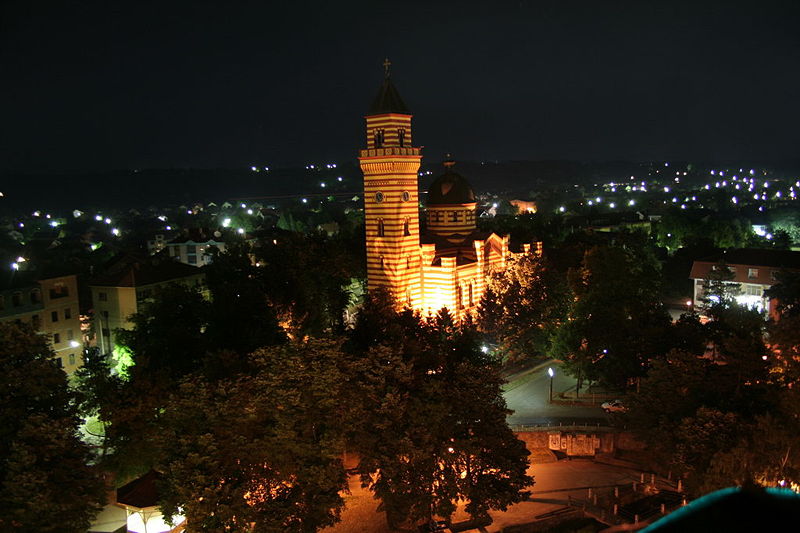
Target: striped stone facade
x: 449, y: 272
x: 391, y: 208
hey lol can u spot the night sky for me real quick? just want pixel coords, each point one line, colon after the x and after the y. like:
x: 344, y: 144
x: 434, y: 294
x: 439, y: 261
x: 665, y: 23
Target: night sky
x: 124, y: 85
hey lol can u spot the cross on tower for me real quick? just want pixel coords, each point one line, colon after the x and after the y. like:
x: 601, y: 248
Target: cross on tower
x: 386, y: 65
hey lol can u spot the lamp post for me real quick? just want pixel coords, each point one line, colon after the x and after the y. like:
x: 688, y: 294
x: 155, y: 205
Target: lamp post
x: 551, y: 373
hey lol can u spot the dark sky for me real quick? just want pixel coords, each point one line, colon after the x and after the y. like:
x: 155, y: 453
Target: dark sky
x: 132, y: 84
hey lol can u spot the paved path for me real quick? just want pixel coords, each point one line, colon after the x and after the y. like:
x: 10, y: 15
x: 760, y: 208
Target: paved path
x: 527, y: 394
x: 554, y: 484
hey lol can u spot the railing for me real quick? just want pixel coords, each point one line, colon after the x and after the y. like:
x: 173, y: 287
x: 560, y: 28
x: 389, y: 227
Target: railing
x: 390, y: 150
x: 597, y: 426
x: 621, y: 504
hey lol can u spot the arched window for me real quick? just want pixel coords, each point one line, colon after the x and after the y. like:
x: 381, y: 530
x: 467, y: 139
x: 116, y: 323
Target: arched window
x: 401, y: 136
x: 378, y: 138
x: 406, y: 227
x: 381, y: 230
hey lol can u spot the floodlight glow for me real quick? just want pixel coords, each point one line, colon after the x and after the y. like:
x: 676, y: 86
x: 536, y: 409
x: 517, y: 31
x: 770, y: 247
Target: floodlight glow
x: 115, y: 231
x: 74, y: 344
x: 226, y: 222
x: 550, y: 372
x: 98, y: 218
x: 240, y: 231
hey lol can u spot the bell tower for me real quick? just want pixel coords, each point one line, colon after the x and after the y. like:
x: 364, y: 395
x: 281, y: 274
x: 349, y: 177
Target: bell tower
x: 391, y: 197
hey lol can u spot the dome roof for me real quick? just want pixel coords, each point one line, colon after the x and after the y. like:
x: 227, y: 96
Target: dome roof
x: 450, y: 188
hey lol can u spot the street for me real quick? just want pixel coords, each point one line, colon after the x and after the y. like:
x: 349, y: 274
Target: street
x: 527, y: 394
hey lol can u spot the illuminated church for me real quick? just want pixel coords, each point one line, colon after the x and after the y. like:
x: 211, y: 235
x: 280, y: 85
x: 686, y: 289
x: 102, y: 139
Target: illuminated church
x: 448, y: 265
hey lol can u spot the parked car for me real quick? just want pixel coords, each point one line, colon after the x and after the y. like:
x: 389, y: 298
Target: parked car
x: 614, y: 406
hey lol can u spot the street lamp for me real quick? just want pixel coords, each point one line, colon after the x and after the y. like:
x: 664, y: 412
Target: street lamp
x: 551, y: 373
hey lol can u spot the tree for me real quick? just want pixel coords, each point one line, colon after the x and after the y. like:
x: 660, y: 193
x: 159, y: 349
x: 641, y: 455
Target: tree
x: 240, y: 319
x: 262, y: 450
x: 166, y: 341
x: 617, y: 322
x: 432, y: 429
x: 306, y: 279
x: 718, y: 287
x: 43, y: 458
x: 786, y: 292
x: 523, y: 305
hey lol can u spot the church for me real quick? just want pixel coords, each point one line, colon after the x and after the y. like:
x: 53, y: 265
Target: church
x: 448, y: 264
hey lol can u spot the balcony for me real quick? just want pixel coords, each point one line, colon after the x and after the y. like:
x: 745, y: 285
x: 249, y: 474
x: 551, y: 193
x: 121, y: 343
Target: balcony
x: 391, y: 150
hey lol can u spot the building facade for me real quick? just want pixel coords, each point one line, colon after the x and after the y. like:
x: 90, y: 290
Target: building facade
x: 50, y: 306
x: 447, y: 266
x: 195, y: 247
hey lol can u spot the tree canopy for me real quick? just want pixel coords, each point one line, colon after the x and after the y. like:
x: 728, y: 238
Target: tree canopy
x: 43, y: 457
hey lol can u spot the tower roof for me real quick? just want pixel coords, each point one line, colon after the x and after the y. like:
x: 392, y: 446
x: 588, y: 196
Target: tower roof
x: 450, y: 188
x: 388, y: 100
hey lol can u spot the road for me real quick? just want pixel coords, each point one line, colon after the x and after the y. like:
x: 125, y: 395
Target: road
x: 527, y: 394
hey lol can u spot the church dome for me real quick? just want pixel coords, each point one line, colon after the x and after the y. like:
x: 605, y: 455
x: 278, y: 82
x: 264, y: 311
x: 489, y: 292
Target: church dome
x: 450, y: 188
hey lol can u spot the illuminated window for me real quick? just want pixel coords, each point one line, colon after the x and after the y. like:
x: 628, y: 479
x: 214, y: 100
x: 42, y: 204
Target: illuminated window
x: 470, y: 216
x: 455, y: 216
x: 406, y: 228
x: 381, y: 229
x: 59, y: 290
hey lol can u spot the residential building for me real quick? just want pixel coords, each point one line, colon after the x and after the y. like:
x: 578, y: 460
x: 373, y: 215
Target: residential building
x: 192, y: 247
x: 50, y: 305
x: 127, y: 283
x: 753, y: 270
